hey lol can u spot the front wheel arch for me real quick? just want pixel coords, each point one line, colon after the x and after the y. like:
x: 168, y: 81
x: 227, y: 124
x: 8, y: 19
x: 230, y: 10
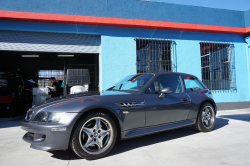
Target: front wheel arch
x: 94, y: 136
x: 104, y: 110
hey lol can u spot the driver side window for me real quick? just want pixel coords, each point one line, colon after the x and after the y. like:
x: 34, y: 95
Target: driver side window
x: 172, y: 81
x: 153, y: 88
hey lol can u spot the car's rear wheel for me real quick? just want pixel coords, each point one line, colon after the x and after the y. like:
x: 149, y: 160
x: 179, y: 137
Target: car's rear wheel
x: 94, y: 137
x: 206, y: 118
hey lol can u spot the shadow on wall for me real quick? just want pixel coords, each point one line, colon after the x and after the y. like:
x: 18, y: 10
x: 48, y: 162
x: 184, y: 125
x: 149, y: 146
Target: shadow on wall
x: 174, y: 57
x: 130, y: 144
x: 167, y: 34
x: 224, y: 91
x: 121, y: 31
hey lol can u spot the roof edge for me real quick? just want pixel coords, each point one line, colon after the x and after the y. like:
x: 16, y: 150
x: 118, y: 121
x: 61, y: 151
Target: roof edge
x: 119, y: 22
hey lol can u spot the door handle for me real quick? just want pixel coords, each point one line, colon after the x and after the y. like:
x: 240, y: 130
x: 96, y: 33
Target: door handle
x: 184, y: 99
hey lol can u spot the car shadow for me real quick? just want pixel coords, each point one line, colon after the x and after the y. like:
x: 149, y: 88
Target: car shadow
x: 243, y: 117
x: 11, y: 122
x: 130, y: 144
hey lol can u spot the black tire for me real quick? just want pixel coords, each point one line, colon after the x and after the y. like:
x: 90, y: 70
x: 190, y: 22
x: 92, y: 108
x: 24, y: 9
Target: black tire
x: 79, y: 136
x: 202, y: 125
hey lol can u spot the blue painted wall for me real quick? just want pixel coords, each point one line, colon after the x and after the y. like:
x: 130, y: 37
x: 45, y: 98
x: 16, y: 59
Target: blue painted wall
x: 247, y: 39
x: 118, y: 52
x: 130, y: 9
x: 247, y: 18
x: 118, y: 58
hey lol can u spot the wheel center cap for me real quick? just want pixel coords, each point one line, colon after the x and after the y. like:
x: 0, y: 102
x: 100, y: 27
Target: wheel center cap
x: 95, y: 134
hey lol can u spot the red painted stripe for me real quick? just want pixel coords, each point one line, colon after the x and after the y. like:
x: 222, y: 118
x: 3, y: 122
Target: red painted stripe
x: 248, y: 30
x: 83, y: 101
x: 118, y: 22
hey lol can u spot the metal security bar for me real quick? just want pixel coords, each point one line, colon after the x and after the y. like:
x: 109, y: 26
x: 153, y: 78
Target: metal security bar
x: 217, y: 65
x: 154, y: 55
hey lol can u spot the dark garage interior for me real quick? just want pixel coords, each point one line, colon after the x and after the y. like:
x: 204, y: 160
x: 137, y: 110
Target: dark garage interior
x: 39, y: 67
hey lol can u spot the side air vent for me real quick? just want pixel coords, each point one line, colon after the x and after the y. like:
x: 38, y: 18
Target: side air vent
x: 131, y: 104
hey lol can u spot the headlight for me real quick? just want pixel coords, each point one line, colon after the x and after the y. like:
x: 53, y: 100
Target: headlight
x: 53, y: 117
x: 29, y: 114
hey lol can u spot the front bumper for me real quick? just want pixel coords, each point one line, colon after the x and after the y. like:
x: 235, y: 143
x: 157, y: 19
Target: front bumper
x: 41, y: 136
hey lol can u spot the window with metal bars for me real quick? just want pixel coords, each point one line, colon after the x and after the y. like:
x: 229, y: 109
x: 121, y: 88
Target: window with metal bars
x: 154, y: 55
x: 217, y: 65
x: 45, y: 76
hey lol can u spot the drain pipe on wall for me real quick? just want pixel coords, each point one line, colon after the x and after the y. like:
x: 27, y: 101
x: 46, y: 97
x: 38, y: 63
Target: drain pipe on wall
x: 247, y: 39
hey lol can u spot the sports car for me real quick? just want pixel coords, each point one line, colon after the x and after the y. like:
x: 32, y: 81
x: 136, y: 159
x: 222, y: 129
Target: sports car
x: 90, y: 123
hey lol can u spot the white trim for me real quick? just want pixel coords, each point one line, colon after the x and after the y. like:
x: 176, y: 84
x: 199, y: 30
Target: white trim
x: 205, y: 55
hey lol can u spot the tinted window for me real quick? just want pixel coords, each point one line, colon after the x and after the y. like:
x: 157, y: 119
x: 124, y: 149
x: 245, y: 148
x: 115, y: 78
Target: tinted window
x: 191, y: 84
x: 172, y: 81
x: 153, y: 88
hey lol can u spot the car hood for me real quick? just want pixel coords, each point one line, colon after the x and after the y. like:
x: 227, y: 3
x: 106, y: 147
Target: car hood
x: 83, y: 95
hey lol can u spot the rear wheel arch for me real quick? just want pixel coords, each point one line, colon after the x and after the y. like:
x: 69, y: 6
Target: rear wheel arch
x: 206, y: 117
x: 207, y: 101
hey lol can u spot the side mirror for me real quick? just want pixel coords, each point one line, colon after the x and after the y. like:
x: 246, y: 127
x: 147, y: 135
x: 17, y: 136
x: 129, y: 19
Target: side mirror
x: 164, y: 91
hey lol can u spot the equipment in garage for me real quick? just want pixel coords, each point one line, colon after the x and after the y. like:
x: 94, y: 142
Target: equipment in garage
x: 42, y: 52
x: 40, y: 95
x: 78, y: 80
x: 77, y: 89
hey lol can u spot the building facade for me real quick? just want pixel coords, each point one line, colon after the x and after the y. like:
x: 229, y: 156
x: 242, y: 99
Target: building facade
x: 139, y: 36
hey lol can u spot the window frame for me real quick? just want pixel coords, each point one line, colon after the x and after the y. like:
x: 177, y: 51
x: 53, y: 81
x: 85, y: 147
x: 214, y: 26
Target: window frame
x: 195, y: 79
x: 218, y: 70
x: 44, y: 79
x: 152, y: 49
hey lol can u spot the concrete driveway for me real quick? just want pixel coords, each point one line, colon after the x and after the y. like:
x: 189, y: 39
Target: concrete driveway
x: 227, y: 144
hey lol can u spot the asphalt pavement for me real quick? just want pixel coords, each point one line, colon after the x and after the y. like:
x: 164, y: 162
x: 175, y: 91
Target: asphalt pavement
x: 228, y: 144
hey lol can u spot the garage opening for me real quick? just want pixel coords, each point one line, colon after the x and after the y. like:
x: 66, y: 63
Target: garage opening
x: 30, y: 59
x: 47, y: 65
x: 38, y: 67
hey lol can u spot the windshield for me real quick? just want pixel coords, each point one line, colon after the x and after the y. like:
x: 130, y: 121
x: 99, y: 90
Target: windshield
x: 132, y: 83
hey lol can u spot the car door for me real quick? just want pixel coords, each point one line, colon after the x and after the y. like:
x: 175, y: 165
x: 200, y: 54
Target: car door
x: 195, y: 91
x: 173, y: 107
x: 133, y: 111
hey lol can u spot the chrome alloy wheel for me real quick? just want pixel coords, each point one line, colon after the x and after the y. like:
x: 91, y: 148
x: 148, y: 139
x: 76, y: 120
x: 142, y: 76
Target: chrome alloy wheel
x: 96, y: 135
x: 208, y: 117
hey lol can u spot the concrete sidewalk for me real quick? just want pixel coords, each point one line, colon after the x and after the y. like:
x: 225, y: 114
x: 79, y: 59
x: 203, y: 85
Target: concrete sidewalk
x: 228, y: 144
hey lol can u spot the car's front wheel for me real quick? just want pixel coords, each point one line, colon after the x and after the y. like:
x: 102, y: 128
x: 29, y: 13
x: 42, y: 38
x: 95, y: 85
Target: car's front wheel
x: 206, y: 118
x: 94, y: 137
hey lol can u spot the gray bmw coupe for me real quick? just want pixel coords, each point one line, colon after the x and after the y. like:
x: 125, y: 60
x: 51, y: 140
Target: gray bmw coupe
x: 140, y: 104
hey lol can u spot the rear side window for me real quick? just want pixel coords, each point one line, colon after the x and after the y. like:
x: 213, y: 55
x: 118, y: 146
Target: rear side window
x: 191, y: 84
x: 205, y: 87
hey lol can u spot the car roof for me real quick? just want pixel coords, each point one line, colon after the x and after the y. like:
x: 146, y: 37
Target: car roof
x: 166, y: 73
